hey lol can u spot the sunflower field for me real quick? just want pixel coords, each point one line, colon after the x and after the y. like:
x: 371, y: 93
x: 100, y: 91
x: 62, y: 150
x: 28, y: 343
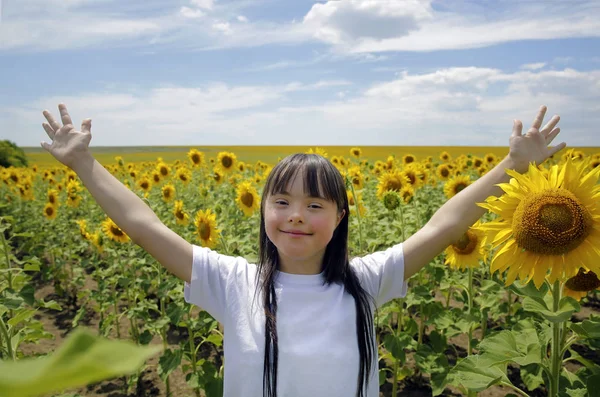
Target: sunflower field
x: 512, y: 308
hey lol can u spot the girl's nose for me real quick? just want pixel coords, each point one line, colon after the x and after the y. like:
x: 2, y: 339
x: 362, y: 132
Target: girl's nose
x: 295, y: 216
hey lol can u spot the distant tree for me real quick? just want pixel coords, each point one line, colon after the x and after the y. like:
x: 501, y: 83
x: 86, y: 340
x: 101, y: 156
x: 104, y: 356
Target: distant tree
x: 11, y: 154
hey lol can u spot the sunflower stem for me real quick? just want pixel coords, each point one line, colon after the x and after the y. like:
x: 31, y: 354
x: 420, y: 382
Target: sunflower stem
x: 556, y: 350
x: 360, y: 237
x: 470, y: 303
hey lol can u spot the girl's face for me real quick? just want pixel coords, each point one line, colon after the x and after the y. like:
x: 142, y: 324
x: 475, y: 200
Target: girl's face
x: 300, y: 227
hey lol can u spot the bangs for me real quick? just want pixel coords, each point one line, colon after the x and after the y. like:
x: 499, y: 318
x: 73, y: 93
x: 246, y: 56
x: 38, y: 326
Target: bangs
x: 321, y: 178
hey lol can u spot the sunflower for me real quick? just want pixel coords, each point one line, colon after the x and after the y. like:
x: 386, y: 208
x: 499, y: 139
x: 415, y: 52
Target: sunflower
x: 356, y: 177
x: 408, y: 159
x: 445, y: 156
x: 50, y: 211
x: 362, y: 210
x: 355, y: 152
x: 391, y: 181
x: 73, y: 198
x: 52, y: 197
x: 477, y: 162
x: 168, y: 192
x: 181, y: 217
x: 241, y: 166
x: 247, y: 198
x: 547, y: 224
x: 114, y: 232
x: 226, y: 161
x: 184, y: 175
x: 443, y: 172
x: 196, y: 157
x: 413, y: 175
x: 578, y: 286
x: 468, y: 250
x: 454, y: 185
x: 317, y: 150
x: 391, y: 200
x: 217, y: 176
x: 407, y: 193
x: 490, y: 158
x: 206, y: 228
x: 97, y: 240
x: 82, y: 223
x: 163, y: 169
x: 145, y: 184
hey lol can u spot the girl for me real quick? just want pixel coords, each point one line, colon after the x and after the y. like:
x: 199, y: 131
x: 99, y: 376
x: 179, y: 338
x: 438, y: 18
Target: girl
x: 312, y: 333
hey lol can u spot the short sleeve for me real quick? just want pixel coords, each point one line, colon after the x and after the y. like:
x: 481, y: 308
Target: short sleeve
x: 382, y: 274
x: 212, y: 275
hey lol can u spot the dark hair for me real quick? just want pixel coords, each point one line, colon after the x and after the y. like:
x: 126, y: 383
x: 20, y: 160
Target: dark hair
x: 321, y: 179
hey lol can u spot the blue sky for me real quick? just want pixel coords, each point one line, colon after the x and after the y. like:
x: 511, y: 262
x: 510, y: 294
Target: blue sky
x: 283, y: 72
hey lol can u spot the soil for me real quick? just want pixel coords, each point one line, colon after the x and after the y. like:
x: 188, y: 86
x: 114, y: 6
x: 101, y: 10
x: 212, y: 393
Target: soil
x: 59, y: 325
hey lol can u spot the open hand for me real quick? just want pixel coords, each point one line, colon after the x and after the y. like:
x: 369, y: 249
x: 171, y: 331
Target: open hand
x: 533, y: 146
x: 67, y: 144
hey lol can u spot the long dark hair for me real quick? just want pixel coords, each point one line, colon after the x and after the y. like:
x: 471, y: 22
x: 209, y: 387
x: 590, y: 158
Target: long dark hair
x: 321, y: 179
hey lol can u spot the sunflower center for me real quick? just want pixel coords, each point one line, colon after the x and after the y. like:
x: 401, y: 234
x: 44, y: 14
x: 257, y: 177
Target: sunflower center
x: 204, y: 231
x: 459, y: 186
x: 393, y: 184
x: 195, y: 158
x: 445, y: 172
x: 116, y: 231
x: 49, y: 211
x: 466, y: 244
x: 180, y: 215
x: 583, y: 281
x: 551, y: 222
x: 247, y: 199
x: 227, y: 161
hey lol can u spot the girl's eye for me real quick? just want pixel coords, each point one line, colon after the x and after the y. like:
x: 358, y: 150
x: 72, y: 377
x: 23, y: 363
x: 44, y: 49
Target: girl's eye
x: 280, y: 202
x: 315, y: 206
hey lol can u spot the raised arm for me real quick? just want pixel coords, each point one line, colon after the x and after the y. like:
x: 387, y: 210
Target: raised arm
x: 124, y: 207
x: 455, y: 217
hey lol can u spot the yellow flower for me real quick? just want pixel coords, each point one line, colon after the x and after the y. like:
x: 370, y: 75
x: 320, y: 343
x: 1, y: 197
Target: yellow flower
x: 445, y: 156
x: 217, y: 176
x: 163, y: 169
x: 114, y: 232
x: 318, y: 150
x: 156, y: 178
x: 362, y: 210
x: 145, y: 184
x: 247, y: 198
x: 206, y: 228
x: 408, y: 159
x: 391, y: 181
x: 468, y: 250
x: 73, y: 197
x: 52, y: 196
x: 547, y: 224
x: 355, y: 175
x: 226, y: 161
x: 49, y: 211
x: 181, y: 217
x: 490, y: 158
x: 454, y: 185
x: 355, y: 152
x: 168, y: 193
x: 82, y: 223
x: 98, y: 241
x: 196, y: 157
x: 407, y: 193
x: 184, y: 175
x: 443, y: 172
x: 578, y: 286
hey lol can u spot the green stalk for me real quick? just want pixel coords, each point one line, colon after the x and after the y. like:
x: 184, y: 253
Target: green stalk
x: 7, y: 338
x: 397, y: 361
x: 192, y: 347
x: 470, y: 303
x: 556, y: 357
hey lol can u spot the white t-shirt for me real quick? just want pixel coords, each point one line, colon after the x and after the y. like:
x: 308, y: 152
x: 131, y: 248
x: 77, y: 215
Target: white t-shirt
x: 316, y: 324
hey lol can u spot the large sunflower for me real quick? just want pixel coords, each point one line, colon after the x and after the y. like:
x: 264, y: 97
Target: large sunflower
x: 196, y: 157
x: 247, y: 198
x: 206, y: 228
x: 468, y: 250
x: 50, y: 211
x: 181, y: 217
x: 546, y: 224
x: 391, y: 181
x: 114, y: 232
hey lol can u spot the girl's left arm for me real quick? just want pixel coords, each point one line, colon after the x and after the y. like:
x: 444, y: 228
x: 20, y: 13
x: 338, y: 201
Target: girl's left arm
x: 455, y: 217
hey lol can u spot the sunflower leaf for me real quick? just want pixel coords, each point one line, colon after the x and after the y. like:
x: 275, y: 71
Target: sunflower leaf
x: 587, y: 328
x: 567, y: 307
x: 475, y: 373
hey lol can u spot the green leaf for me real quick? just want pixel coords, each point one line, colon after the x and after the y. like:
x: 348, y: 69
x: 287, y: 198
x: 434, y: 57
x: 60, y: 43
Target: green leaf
x: 215, y: 339
x: 531, y: 375
x: 593, y: 384
x: 20, y: 316
x: 567, y: 307
x: 169, y: 362
x: 470, y: 373
x: 587, y: 328
x: 529, y: 289
x: 395, y: 345
x: 82, y: 359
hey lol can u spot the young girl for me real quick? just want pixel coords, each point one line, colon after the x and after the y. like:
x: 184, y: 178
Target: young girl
x: 312, y: 332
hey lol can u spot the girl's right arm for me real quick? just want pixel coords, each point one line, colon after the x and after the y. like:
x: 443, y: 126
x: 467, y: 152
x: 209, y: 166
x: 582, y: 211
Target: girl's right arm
x: 124, y: 207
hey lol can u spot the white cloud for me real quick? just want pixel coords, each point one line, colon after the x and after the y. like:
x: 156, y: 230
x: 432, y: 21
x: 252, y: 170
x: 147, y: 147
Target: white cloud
x: 453, y: 106
x: 190, y: 13
x: 242, y: 18
x: 533, y: 66
x: 205, y: 4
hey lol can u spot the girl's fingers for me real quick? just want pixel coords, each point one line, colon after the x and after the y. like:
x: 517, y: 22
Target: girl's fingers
x: 517, y: 128
x: 48, y: 130
x: 537, y: 122
x: 53, y: 123
x: 556, y: 148
x: 64, y: 114
x: 550, y: 137
x: 550, y: 125
x: 86, y: 126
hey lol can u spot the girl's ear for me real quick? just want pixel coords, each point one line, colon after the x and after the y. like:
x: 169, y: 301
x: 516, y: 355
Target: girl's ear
x: 340, y: 217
